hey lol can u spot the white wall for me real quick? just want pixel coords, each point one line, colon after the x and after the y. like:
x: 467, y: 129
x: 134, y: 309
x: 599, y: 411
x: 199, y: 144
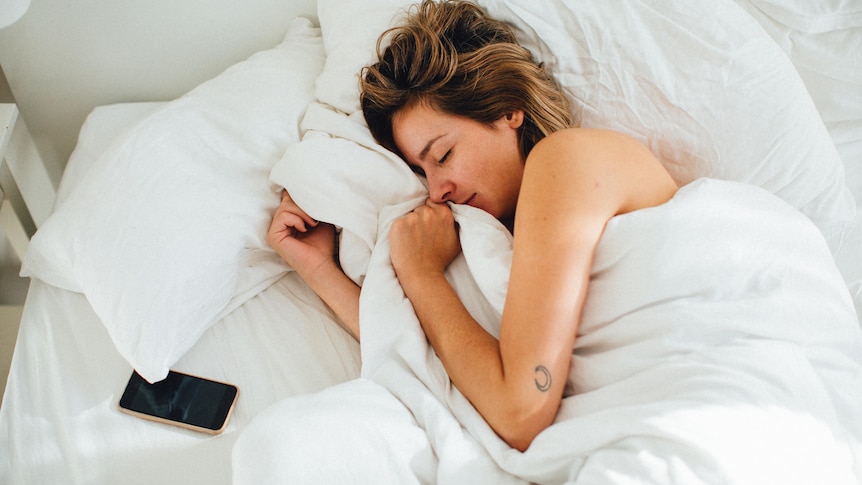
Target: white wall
x: 65, y: 57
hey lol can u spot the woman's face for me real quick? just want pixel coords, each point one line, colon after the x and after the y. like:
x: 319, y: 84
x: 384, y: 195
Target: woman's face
x: 464, y: 161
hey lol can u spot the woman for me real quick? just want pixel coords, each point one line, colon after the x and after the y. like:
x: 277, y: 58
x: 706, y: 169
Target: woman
x: 468, y: 108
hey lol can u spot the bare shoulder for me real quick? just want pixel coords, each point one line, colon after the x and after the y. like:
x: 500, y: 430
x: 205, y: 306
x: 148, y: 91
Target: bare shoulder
x: 608, y: 165
x: 591, y: 143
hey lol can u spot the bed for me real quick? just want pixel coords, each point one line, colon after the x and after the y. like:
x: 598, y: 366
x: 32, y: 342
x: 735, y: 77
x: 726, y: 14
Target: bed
x: 154, y: 258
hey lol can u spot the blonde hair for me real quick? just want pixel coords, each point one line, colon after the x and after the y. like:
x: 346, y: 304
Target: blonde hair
x: 461, y: 62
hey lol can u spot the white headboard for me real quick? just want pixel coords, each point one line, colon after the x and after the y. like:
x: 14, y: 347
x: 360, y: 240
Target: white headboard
x: 63, y: 57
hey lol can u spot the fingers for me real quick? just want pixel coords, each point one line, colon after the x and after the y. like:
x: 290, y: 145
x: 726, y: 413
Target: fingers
x: 430, y: 218
x: 423, y: 241
x: 292, y: 223
x: 436, y: 213
x: 289, y: 221
x: 289, y: 206
x: 443, y: 206
x: 426, y: 217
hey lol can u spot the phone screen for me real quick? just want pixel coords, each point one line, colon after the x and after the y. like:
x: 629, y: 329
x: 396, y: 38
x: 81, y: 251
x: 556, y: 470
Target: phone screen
x: 182, y: 399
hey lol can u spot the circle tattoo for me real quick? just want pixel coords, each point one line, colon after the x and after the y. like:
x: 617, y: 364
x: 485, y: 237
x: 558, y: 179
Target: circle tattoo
x: 543, y: 378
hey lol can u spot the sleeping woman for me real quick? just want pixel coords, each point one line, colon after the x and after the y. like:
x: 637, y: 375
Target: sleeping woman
x: 468, y: 108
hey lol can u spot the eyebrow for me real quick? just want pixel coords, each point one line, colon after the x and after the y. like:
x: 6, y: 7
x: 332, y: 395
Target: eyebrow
x: 427, y: 148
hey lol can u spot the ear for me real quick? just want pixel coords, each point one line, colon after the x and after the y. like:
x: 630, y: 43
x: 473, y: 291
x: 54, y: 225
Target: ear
x: 515, y: 119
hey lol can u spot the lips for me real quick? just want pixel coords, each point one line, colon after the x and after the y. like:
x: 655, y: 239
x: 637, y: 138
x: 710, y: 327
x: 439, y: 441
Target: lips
x: 470, y: 200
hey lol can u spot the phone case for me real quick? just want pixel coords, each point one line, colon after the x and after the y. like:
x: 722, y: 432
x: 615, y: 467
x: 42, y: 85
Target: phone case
x: 181, y: 424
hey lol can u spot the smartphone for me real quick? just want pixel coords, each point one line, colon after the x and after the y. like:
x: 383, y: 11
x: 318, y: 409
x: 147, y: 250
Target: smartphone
x: 182, y: 400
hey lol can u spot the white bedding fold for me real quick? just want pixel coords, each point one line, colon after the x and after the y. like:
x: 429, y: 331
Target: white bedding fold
x: 337, y: 155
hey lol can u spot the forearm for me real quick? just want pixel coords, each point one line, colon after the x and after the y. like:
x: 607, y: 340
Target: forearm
x: 473, y: 361
x: 471, y: 355
x: 509, y: 382
x: 338, y: 291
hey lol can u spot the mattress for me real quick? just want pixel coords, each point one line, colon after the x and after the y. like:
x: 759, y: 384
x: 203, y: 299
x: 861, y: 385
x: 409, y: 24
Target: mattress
x: 59, y: 413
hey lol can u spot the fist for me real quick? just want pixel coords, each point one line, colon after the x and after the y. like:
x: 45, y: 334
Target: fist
x: 425, y: 241
x: 301, y: 241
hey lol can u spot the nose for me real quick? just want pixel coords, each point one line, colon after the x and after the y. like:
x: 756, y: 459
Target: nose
x: 440, y: 190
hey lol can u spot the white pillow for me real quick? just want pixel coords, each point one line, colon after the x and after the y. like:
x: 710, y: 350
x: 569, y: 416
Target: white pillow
x: 350, y: 32
x: 699, y: 82
x: 168, y: 225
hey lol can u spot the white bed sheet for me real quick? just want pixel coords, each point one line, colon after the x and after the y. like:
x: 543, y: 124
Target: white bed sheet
x: 59, y: 421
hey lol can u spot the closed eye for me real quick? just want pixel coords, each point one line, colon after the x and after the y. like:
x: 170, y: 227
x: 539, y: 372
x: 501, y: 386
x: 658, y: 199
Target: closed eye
x: 418, y: 170
x: 443, y: 160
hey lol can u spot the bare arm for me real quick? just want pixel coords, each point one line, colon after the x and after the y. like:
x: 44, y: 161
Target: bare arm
x: 309, y: 247
x: 574, y: 182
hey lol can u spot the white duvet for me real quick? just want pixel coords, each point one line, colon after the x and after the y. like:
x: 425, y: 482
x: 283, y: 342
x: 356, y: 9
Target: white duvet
x: 719, y: 343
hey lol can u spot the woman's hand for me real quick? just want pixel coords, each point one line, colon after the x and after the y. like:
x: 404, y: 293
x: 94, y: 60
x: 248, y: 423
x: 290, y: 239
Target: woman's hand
x: 423, y: 242
x: 308, y: 246
x: 305, y: 244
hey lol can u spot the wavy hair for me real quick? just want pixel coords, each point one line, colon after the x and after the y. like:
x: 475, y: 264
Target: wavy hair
x: 454, y: 57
